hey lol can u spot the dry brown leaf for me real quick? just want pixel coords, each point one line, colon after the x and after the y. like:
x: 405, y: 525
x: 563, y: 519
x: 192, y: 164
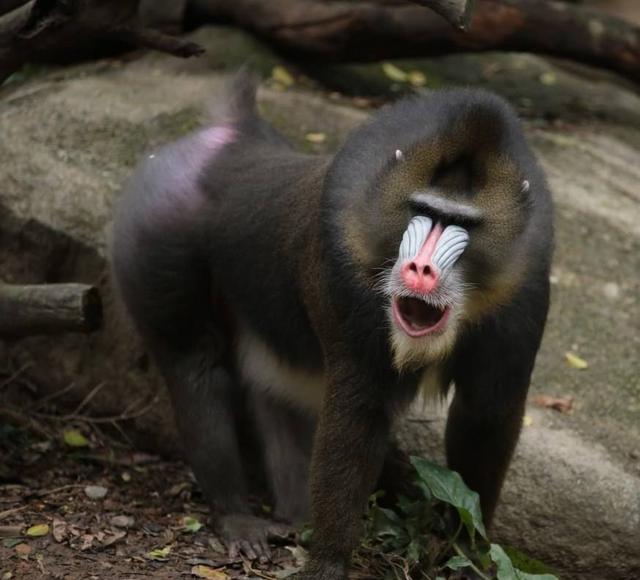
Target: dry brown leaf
x: 140, y: 458
x: 59, y: 530
x: 316, y: 137
x: 178, y: 488
x: 87, y: 542
x: 417, y: 78
x: 282, y: 77
x: 123, y: 521
x: 548, y: 79
x: 112, y: 537
x: 575, y: 361
x: 394, y: 72
x: 201, y: 571
x: 560, y: 404
x: 23, y: 550
x: 74, y: 531
x: 95, y: 491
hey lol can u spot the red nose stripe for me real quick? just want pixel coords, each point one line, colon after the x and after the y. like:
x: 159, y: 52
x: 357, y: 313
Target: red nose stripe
x: 420, y: 274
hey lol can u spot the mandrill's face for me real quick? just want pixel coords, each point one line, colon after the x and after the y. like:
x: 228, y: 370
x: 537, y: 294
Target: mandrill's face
x: 425, y: 290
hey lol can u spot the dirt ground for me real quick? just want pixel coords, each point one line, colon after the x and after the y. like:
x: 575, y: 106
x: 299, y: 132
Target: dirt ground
x: 145, y: 526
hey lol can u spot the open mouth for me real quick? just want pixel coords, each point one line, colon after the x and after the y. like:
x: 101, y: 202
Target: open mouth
x: 417, y: 317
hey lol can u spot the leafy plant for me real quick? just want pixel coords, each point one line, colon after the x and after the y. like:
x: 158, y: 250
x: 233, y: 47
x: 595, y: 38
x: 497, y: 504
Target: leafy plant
x: 421, y: 539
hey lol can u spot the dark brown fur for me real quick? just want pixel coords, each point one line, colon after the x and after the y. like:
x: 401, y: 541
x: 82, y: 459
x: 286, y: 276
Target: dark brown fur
x: 289, y: 246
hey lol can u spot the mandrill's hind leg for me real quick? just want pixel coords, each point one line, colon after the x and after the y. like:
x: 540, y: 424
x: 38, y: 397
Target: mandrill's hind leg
x: 205, y: 401
x: 286, y: 434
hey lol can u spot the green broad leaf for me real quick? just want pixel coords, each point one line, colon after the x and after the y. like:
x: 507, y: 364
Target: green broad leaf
x: 191, y: 524
x: 524, y: 563
x: 414, y: 551
x: 458, y: 562
x: 11, y: 542
x: 447, y: 486
x: 426, y: 492
x: 73, y: 438
x: 507, y: 571
x: 306, y: 536
x: 385, y: 522
x: 520, y: 575
x: 410, y: 507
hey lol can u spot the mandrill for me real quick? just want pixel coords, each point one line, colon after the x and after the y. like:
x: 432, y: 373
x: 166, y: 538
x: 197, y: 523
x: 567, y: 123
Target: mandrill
x: 313, y: 296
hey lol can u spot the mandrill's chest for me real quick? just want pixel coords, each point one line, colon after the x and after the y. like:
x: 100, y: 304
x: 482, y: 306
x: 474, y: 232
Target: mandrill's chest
x: 260, y: 367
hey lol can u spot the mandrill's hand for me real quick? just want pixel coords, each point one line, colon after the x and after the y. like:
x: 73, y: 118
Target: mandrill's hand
x: 249, y: 535
x: 320, y: 570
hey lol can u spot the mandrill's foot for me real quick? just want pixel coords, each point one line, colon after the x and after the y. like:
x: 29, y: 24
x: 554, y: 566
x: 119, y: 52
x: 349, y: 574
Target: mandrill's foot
x: 322, y: 571
x: 249, y: 535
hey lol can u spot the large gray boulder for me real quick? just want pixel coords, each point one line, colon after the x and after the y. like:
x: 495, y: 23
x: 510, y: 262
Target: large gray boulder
x: 69, y: 140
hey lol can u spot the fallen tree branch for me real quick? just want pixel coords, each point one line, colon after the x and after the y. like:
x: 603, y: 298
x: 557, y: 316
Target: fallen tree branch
x: 369, y: 30
x: 42, y: 28
x: 14, y: 416
x: 48, y: 308
x: 127, y: 415
x: 148, y: 38
x: 166, y: 16
x: 456, y: 12
x: 9, y: 5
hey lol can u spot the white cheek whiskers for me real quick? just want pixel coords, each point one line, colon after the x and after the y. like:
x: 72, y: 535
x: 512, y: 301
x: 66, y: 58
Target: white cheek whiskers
x: 450, y: 292
x: 409, y: 352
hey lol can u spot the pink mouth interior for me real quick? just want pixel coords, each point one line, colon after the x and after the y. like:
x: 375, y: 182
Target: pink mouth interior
x: 417, y: 317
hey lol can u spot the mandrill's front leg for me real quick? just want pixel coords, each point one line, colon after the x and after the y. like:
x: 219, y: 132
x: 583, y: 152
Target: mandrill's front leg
x: 350, y: 446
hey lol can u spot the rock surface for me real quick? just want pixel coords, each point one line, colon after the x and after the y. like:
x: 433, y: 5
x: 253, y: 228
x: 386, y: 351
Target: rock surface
x: 69, y: 140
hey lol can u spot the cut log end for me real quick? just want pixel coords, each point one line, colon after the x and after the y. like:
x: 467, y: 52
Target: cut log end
x: 91, y: 308
x: 49, y: 309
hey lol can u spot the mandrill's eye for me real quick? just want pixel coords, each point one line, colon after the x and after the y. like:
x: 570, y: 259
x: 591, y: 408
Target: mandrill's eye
x: 445, y: 209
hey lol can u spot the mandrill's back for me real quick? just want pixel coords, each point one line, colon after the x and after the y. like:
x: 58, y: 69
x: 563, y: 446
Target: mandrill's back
x: 222, y: 212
